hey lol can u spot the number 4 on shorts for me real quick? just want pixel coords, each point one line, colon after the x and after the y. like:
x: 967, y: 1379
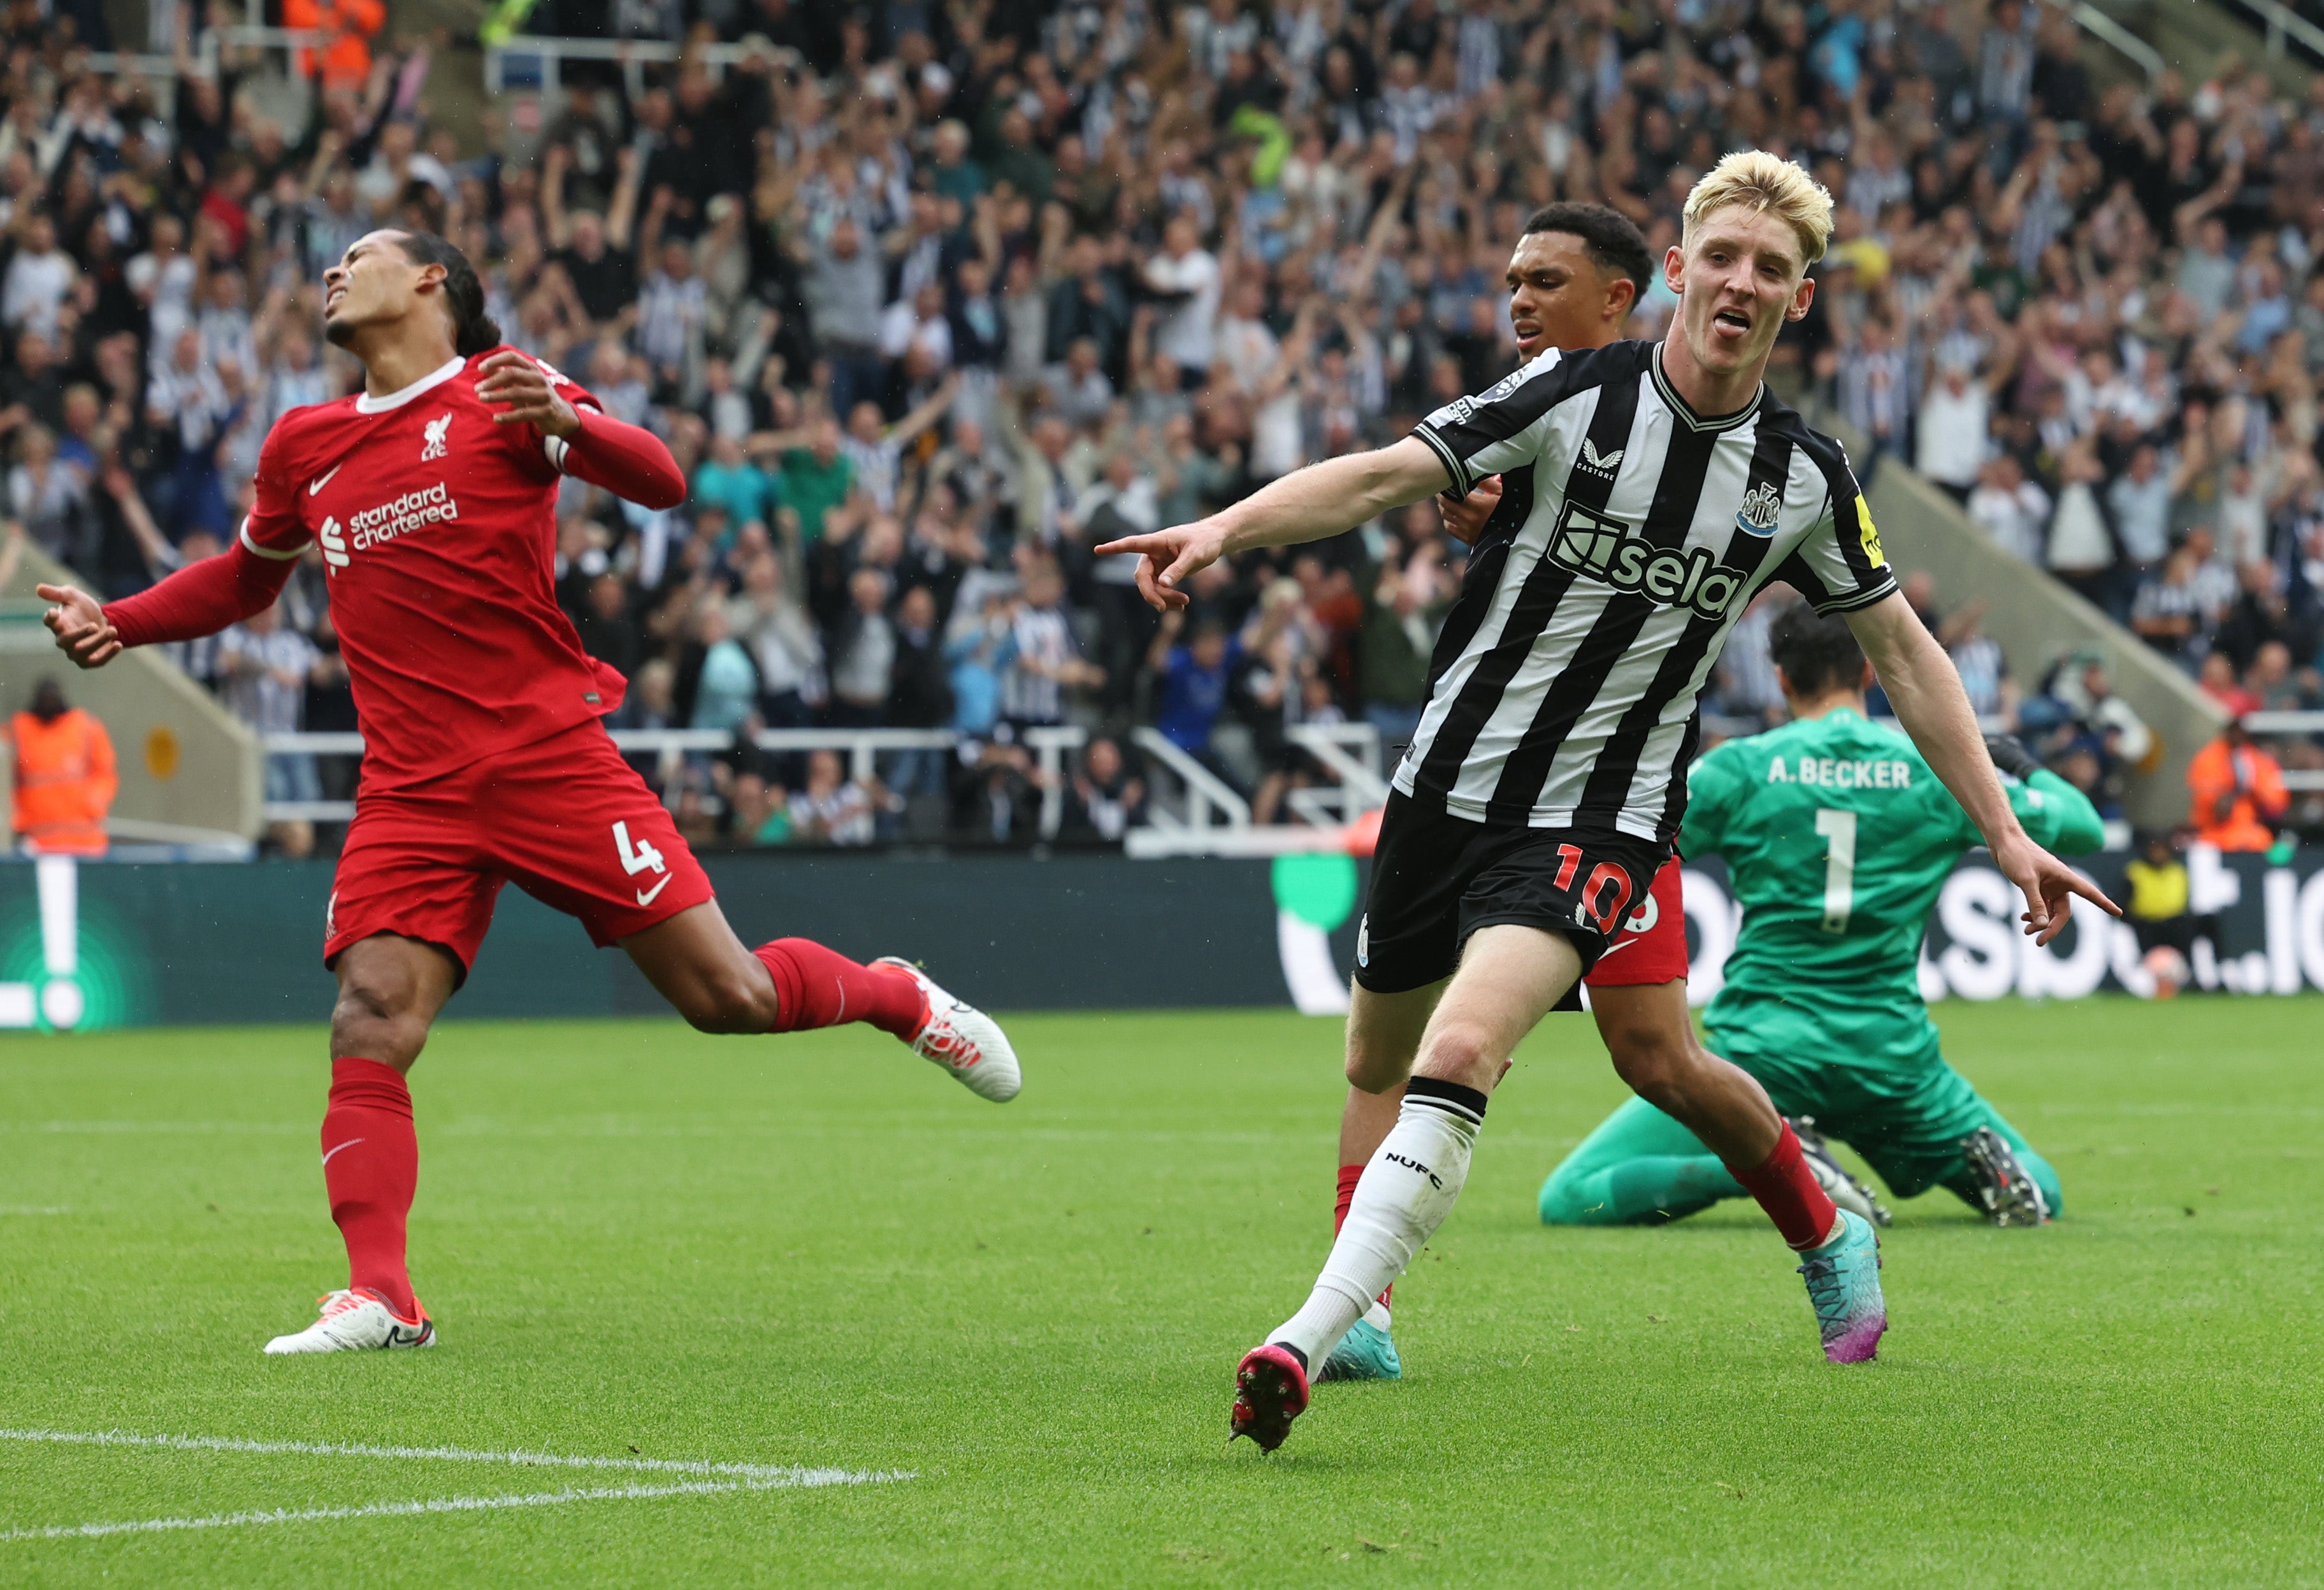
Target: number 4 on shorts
x: 635, y: 859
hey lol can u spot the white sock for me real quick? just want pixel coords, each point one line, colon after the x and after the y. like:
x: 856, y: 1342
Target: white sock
x: 1407, y: 1191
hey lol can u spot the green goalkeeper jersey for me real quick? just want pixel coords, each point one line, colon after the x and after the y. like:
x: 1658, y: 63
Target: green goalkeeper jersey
x: 1837, y: 838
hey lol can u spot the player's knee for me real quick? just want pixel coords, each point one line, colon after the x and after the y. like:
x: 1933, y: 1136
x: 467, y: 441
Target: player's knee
x: 1376, y: 1070
x: 719, y: 1003
x: 1656, y: 1065
x: 1567, y: 1199
x: 374, y: 1020
x: 1384, y: 1037
x: 1465, y: 1052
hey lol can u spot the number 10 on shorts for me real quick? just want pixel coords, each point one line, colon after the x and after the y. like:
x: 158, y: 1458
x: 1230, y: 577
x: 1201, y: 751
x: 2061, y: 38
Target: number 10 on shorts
x: 637, y: 858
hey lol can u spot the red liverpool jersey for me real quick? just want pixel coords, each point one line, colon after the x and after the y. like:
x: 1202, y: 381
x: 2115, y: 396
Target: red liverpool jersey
x: 439, y: 532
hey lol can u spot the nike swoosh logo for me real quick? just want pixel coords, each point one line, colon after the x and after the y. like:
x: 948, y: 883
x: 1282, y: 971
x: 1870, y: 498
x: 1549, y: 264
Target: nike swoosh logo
x: 326, y: 480
x: 1617, y: 944
x: 646, y: 896
x: 342, y: 1149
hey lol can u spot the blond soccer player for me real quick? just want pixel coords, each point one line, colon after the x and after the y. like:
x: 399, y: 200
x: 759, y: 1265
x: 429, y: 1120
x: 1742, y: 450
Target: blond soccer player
x: 1545, y: 781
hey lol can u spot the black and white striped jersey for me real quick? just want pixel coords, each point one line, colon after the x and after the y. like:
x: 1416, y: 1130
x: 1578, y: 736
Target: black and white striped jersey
x: 1632, y: 534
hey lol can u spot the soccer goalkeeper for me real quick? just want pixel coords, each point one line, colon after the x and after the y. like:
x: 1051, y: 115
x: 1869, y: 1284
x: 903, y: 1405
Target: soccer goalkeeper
x: 1837, y: 838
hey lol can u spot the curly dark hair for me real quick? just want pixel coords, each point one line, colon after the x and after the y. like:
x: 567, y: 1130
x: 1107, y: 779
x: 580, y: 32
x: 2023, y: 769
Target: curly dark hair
x: 1612, y: 242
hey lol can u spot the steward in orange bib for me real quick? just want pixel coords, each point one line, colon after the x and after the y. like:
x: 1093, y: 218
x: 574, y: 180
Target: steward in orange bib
x: 344, y: 62
x: 65, y: 776
x: 2238, y: 792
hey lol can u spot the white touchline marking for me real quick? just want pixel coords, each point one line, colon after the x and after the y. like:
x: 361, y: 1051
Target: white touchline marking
x: 732, y: 1477
x: 224, y: 1520
x: 201, y: 1128
x: 754, y: 1473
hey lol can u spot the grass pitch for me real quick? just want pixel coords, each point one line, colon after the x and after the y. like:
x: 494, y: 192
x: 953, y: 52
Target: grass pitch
x: 645, y: 1245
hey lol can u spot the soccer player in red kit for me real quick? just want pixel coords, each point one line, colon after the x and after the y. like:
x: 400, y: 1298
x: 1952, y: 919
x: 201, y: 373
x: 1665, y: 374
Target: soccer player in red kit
x: 432, y: 496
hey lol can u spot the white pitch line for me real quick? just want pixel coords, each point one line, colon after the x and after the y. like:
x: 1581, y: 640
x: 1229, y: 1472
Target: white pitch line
x: 224, y: 1521
x: 791, y: 1474
x: 734, y: 1476
x: 165, y: 1128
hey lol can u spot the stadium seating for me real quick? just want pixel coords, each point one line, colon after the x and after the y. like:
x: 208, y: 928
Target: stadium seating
x: 896, y: 292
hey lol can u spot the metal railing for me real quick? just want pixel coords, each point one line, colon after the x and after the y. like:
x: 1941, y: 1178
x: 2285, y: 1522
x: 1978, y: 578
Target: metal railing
x: 162, y: 71
x: 1349, y: 753
x: 205, y: 61
x: 1209, y: 818
x: 863, y: 748
x: 549, y: 54
x: 2279, y: 23
x: 2302, y: 781
x: 1205, y: 814
x: 1198, y: 813
x: 2098, y: 25
x: 1202, y: 795
x: 2284, y: 723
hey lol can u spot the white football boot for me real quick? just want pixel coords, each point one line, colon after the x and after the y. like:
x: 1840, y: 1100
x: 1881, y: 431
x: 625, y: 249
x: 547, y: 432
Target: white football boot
x: 963, y: 1039
x: 355, y: 1320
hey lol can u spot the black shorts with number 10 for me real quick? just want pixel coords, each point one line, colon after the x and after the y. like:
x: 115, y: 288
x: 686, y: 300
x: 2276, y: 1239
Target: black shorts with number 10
x: 1436, y: 879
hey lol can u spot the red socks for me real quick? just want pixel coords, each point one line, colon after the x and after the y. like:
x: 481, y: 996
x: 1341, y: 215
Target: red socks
x: 817, y: 987
x: 371, y: 1155
x: 1349, y: 1176
x: 371, y: 1166
x: 1799, y: 1207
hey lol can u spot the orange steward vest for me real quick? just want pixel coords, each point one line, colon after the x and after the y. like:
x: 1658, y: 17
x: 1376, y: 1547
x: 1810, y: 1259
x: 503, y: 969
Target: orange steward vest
x: 65, y: 782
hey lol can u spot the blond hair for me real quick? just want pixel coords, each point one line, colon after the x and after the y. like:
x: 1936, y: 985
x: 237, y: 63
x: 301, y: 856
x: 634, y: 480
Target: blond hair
x: 1765, y: 181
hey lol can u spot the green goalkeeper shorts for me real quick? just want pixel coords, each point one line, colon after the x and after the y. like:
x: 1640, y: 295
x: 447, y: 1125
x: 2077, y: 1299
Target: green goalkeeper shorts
x: 1879, y: 1084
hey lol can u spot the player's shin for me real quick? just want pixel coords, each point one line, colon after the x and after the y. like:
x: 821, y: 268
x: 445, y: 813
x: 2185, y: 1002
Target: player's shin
x: 1364, y: 1124
x: 818, y: 987
x: 1406, y: 1192
x: 1788, y: 1191
x: 371, y: 1168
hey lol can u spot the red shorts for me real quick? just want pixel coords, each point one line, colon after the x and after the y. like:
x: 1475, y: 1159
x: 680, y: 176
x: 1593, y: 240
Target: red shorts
x: 1651, y: 948
x: 565, y: 818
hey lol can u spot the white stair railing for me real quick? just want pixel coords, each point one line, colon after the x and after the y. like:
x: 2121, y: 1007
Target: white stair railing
x: 2098, y: 25
x: 2300, y: 780
x: 1207, y: 797
x: 1349, y: 753
x: 861, y: 746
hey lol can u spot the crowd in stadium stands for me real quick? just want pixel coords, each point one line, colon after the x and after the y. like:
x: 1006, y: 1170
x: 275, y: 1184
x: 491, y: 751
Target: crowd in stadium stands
x: 930, y: 300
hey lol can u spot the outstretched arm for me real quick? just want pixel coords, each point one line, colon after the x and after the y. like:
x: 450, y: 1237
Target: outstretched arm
x: 929, y: 412
x: 200, y: 599
x: 1926, y: 691
x: 1307, y: 505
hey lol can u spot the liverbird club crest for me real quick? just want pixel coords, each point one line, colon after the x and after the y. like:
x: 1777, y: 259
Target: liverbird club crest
x: 1762, y: 506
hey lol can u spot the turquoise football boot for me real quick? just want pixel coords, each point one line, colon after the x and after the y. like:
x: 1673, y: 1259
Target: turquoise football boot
x: 1843, y: 1279
x: 1366, y: 1353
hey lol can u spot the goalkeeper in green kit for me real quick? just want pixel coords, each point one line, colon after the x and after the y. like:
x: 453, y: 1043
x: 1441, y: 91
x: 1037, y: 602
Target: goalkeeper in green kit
x: 1837, y: 838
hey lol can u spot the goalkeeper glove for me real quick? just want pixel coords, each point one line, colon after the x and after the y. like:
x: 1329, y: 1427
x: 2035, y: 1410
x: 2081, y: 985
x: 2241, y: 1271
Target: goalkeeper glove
x: 2010, y: 755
